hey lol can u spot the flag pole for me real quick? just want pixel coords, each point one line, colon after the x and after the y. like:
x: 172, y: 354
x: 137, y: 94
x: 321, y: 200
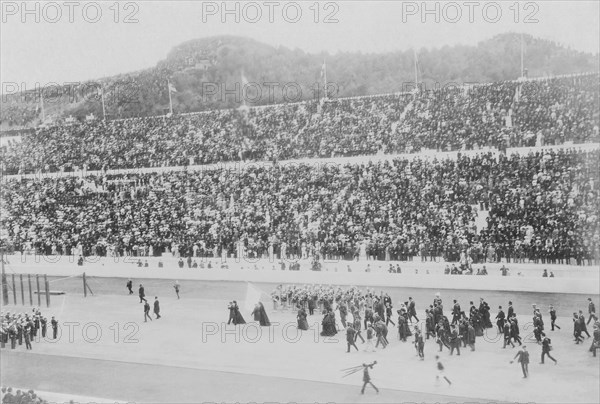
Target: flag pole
x: 170, y: 100
x: 103, y: 106
x: 42, y: 104
x: 325, y: 77
x: 416, y: 70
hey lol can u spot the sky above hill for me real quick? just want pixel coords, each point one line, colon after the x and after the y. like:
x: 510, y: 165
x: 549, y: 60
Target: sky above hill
x: 66, y: 42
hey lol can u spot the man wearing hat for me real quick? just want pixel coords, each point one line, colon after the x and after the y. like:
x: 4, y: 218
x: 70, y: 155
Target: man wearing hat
x: 54, y: 324
x: 455, y: 312
x: 511, y: 311
x: 591, y: 311
x: 500, y: 320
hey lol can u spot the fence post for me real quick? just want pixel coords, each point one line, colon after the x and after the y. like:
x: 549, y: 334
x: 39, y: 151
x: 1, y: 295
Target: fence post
x: 22, y: 290
x: 30, y: 291
x: 37, y: 280
x: 47, y: 291
x: 14, y: 289
x: 4, y: 284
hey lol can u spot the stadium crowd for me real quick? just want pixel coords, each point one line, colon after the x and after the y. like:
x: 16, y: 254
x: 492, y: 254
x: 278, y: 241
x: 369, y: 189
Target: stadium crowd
x: 498, y: 115
x: 541, y: 207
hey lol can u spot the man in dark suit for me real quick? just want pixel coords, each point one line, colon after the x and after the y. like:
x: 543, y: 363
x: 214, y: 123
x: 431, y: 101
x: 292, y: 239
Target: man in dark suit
x: 591, y: 311
x: 412, y: 310
x: 455, y: 312
x: 454, y: 341
x: 130, y: 286
x: 510, y: 311
x: 523, y: 356
x: 500, y: 319
x: 142, y: 294
x: 311, y: 305
x: 350, y: 333
x: 156, y: 307
x: 546, y: 347
x: 577, y: 329
x: 582, y: 324
x: 553, y: 318
x: 54, y: 324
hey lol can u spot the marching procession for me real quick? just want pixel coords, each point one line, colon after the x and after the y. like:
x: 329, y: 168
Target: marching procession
x: 19, y: 328
x: 350, y: 310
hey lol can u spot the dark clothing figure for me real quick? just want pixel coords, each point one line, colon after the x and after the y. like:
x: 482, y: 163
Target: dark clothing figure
x: 142, y: 294
x: 54, y: 324
x: 44, y: 326
x: 357, y: 325
x: 596, y: 343
x: 523, y: 356
x: 27, y: 338
x: 553, y: 319
x: 367, y: 378
x: 546, y: 348
x: 412, y: 311
x: 231, y: 314
x: 130, y: 286
x: 454, y: 342
x: 420, y: 345
x: 471, y: 336
x: 500, y: 321
x: 311, y: 306
x: 591, y: 312
x: 301, y: 318
x: 456, y: 313
x: 507, y: 335
x: 237, y: 315
x: 264, y: 319
x: 157, y: 309
x: 147, y: 312
x: 350, y: 334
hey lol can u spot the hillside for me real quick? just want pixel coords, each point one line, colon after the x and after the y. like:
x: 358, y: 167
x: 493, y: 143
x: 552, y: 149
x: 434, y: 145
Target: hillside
x: 227, y: 60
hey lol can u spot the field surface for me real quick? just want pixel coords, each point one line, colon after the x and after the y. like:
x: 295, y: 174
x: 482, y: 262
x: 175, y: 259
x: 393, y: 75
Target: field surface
x: 191, y: 355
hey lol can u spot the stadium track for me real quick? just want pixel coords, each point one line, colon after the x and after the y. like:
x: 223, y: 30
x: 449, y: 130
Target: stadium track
x: 225, y: 291
x: 170, y: 384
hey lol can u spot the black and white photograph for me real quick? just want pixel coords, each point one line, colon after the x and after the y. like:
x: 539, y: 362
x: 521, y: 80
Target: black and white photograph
x: 337, y: 202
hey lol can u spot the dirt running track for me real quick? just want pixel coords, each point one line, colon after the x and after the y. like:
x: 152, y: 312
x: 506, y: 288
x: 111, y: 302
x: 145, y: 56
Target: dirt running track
x: 168, y: 384
x: 173, y: 360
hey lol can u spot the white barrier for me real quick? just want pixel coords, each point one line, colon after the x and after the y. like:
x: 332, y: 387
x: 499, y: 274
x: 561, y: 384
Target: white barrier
x: 568, y: 279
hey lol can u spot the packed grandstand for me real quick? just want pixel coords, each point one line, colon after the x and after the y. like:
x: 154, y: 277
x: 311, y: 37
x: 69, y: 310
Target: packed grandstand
x: 486, y: 206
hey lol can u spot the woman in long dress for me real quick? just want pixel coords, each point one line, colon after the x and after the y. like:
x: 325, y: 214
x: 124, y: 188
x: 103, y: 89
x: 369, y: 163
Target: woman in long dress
x: 301, y: 317
x: 237, y: 315
x: 264, y: 319
x: 256, y: 312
